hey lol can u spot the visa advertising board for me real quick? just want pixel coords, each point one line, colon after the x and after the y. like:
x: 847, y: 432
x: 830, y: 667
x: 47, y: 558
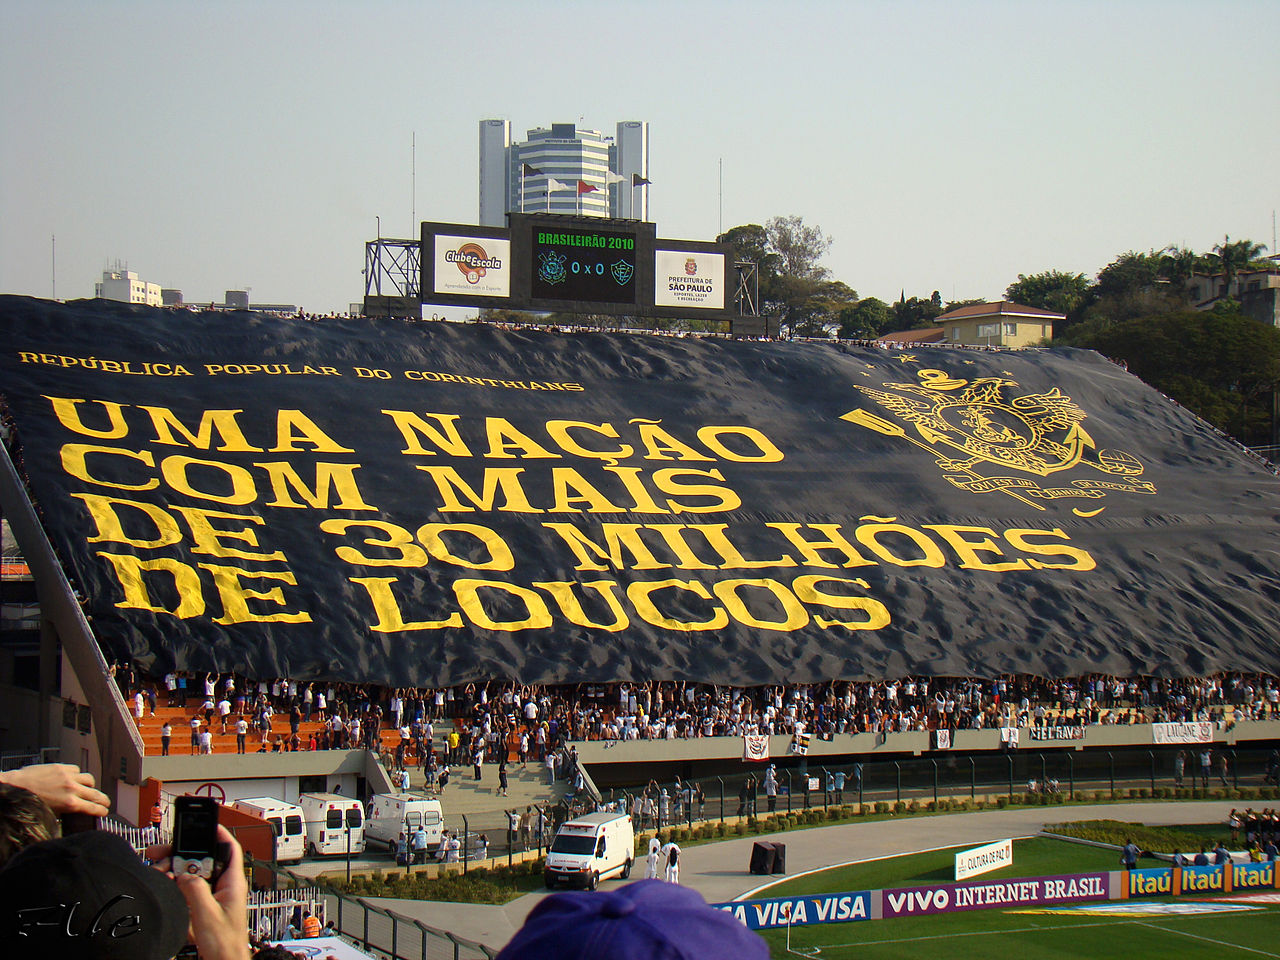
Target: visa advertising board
x: 800, y: 911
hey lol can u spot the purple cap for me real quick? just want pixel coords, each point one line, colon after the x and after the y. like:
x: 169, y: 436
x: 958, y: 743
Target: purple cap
x: 646, y: 920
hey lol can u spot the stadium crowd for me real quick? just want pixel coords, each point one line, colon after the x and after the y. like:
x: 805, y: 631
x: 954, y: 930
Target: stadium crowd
x: 469, y: 725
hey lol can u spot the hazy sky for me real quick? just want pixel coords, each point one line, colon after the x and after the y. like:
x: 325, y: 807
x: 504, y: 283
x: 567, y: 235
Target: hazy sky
x: 223, y: 144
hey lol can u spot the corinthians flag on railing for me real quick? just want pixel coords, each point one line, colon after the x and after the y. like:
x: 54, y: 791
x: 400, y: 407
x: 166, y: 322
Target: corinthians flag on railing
x: 429, y: 503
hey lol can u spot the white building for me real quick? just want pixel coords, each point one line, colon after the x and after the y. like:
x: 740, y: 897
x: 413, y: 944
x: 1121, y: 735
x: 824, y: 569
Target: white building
x: 124, y: 285
x: 564, y: 169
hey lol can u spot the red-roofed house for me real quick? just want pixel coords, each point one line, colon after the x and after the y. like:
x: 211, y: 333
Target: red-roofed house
x: 1002, y: 324
x: 925, y: 335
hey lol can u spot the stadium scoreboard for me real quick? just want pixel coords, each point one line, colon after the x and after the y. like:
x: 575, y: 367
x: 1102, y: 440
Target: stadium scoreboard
x: 572, y: 264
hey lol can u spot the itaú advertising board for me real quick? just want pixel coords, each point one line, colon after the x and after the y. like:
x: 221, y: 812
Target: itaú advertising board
x: 984, y: 859
x: 685, y: 278
x: 472, y: 266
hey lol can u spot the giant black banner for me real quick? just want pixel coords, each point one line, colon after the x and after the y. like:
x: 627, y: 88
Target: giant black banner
x: 433, y: 503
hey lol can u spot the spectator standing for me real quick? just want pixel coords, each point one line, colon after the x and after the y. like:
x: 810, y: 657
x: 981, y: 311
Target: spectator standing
x: 1129, y: 855
x: 671, y: 857
x: 166, y: 736
x: 419, y: 845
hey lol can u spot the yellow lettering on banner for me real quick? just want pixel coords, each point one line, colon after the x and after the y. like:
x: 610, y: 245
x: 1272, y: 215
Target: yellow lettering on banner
x: 398, y: 539
x: 806, y: 589
x: 175, y: 470
x: 537, y: 616
x: 719, y: 541
x: 235, y: 595
x: 630, y: 477
x: 165, y: 422
x: 641, y: 596
x: 207, y: 539
x: 968, y: 549
x: 558, y: 430
x: 68, y: 413
x: 330, y: 478
x: 869, y: 534
x: 660, y: 445
x: 562, y: 591
x: 796, y: 615
x: 431, y: 536
x: 618, y: 537
x: 73, y: 462
x: 506, y: 441
x: 723, y: 498
x: 103, y: 510
x: 766, y: 452
x: 673, y: 536
x: 833, y: 540
x: 1082, y: 560
x: 129, y: 572
x: 451, y: 487
x: 443, y: 433
x: 385, y: 606
x: 567, y: 480
x: 293, y: 427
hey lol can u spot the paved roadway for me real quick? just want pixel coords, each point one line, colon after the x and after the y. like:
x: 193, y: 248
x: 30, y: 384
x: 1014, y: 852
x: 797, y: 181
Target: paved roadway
x: 719, y: 870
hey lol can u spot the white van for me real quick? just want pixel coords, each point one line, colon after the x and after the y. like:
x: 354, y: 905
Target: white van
x: 286, y: 821
x: 591, y: 848
x: 335, y: 824
x: 391, y: 814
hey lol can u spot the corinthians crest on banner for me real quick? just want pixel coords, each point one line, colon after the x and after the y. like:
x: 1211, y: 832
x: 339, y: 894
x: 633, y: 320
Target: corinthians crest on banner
x: 978, y: 430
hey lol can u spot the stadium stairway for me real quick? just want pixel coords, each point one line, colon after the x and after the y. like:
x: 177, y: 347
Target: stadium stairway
x: 463, y: 796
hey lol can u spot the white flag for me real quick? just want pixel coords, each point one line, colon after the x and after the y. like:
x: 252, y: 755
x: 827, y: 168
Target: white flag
x: 553, y: 184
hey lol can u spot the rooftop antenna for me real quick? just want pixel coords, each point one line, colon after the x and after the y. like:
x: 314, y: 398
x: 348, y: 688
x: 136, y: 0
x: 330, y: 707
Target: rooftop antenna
x: 413, y: 182
x: 721, y: 230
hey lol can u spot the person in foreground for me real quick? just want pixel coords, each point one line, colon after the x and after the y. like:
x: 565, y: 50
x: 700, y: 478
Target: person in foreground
x: 89, y: 896
x: 645, y: 920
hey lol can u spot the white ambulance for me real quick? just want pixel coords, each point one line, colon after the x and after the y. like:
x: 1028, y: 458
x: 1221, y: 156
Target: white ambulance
x: 589, y: 849
x: 391, y: 814
x: 334, y: 823
x: 286, y: 821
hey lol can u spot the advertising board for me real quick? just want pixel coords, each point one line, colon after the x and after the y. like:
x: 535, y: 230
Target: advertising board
x: 472, y: 266
x: 984, y: 859
x: 689, y: 279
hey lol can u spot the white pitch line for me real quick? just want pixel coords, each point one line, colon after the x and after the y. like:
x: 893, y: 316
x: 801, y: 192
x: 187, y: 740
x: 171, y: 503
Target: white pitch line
x: 970, y: 933
x: 1221, y: 943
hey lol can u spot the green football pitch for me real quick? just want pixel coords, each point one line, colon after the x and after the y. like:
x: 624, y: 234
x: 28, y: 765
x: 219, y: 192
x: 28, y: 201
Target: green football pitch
x: 1132, y: 930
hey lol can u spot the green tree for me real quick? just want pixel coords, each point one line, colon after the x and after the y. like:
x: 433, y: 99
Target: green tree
x: 916, y: 313
x: 1179, y: 264
x: 788, y: 253
x: 865, y: 320
x: 1236, y: 256
x: 1053, y: 290
x: 1219, y: 364
x: 819, y: 314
